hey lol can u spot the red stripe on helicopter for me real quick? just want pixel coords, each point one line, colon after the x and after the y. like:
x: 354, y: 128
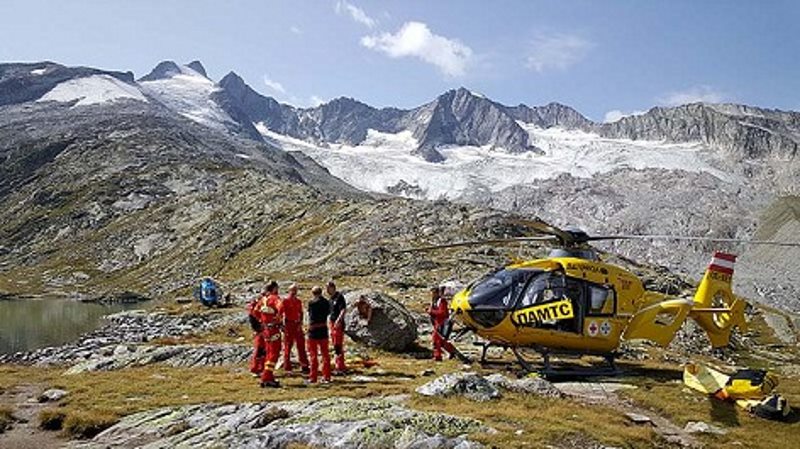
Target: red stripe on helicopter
x: 725, y: 256
x: 720, y: 269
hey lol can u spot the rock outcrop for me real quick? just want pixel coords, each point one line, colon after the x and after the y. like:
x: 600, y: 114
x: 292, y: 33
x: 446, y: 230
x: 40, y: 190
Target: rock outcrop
x: 469, y: 385
x: 186, y: 356
x: 327, y: 423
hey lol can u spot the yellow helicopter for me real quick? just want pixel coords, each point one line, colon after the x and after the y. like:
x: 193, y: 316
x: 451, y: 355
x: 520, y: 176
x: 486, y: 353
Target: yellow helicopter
x: 572, y: 302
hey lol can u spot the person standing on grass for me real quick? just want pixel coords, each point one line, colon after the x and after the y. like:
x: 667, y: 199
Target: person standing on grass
x: 270, y: 309
x: 439, y: 313
x: 338, y: 308
x: 318, y: 311
x: 293, y: 331
x: 259, y: 344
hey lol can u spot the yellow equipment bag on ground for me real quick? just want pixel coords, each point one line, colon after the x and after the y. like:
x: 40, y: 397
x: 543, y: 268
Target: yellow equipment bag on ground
x: 750, y: 389
x: 750, y: 384
x: 704, y: 379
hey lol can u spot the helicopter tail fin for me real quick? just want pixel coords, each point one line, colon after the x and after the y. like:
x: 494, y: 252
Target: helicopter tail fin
x: 716, y: 309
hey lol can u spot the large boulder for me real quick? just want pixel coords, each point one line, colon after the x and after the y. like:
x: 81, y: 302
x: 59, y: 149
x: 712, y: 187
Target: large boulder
x: 380, y: 321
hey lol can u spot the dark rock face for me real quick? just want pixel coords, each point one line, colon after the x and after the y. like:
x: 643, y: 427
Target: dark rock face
x: 197, y: 66
x: 345, y: 120
x: 460, y: 117
x: 246, y: 105
x: 21, y: 83
x: 550, y: 115
x: 740, y: 132
x: 164, y: 70
x: 457, y: 117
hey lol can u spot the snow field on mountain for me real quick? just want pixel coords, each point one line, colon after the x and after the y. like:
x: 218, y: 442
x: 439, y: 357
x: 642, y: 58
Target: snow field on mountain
x: 383, y: 160
x: 189, y: 94
x: 92, y: 90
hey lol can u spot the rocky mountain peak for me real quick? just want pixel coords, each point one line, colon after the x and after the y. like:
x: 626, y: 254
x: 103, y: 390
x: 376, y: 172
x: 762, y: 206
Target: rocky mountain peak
x: 232, y: 82
x: 164, y: 70
x: 550, y: 115
x: 197, y: 66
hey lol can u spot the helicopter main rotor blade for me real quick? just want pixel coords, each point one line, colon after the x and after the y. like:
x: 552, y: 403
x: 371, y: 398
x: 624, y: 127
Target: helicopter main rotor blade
x: 691, y: 239
x: 545, y: 228
x: 549, y: 239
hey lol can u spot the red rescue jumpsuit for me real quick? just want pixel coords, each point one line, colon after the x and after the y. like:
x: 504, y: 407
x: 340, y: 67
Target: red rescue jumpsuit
x: 293, y: 332
x: 270, y: 308
x: 259, y: 344
x: 439, y: 313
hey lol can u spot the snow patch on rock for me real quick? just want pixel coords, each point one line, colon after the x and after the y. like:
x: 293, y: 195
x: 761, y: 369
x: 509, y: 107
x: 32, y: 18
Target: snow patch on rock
x: 93, y: 89
x: 189, y: 94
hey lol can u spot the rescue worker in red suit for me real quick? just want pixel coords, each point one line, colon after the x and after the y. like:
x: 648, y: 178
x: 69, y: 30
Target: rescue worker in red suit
x: 318, y: 311
x: 270, y: 314
x: 338, y: 308
x: 259, y: 345
x: 293, y: 331
x: 439, y: 313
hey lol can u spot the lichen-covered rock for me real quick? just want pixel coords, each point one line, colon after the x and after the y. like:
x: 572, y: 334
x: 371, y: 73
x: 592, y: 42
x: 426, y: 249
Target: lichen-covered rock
x: 332, y: 422
x: 527, y: 385
x: 379, y: 321
x: 469, y: 385
x: 173, y: 355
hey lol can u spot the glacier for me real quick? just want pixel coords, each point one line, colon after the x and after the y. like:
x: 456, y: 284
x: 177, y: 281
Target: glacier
x: 385, y: 160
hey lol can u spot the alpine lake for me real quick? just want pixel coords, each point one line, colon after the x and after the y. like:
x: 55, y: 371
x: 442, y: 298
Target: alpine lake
x: 28, y: 324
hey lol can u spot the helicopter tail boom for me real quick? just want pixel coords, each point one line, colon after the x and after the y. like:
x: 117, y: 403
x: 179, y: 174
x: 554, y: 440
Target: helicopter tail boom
x: 716, y: 309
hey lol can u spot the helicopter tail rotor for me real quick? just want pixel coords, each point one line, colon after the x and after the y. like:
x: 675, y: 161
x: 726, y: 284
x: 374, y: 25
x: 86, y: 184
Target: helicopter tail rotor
x: 716, y: 309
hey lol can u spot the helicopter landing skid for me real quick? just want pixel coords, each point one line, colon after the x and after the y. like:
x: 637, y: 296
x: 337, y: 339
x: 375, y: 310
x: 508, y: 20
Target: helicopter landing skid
x: 548, y: 371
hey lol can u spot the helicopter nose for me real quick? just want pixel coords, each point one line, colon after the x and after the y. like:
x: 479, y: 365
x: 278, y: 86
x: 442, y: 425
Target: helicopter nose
x: 460, y: 302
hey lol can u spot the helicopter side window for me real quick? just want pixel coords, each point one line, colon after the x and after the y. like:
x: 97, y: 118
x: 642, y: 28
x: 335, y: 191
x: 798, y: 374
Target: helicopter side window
x: 602, y: 300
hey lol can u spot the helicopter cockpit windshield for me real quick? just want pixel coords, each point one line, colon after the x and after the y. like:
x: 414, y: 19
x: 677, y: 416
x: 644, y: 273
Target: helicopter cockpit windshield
x: 500, y: 289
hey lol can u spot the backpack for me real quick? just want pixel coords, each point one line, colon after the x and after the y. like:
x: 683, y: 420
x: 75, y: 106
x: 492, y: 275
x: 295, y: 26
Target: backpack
x: 255, y: 323
x: 774, y: 407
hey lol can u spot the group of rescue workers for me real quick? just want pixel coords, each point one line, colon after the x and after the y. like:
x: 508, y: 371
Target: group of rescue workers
x: 277, y: 324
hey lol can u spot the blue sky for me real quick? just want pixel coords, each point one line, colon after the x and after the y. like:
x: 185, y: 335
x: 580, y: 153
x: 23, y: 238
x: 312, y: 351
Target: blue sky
x: 605, y: 58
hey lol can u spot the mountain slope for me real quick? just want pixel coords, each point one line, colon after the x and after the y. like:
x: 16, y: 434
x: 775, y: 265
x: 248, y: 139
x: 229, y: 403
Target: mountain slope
x: 109, y: 197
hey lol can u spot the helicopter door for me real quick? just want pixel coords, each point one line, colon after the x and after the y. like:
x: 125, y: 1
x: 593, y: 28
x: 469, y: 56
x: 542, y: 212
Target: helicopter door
x: 551, y: 301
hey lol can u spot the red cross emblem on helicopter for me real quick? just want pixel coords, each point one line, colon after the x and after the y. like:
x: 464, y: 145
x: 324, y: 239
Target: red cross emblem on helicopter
x: 593, y: 328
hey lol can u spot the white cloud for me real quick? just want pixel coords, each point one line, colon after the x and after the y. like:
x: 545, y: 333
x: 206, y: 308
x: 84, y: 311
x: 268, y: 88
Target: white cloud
x: 356, y: 13
x: 415, y: 39
x: 616, y: 115
x: 558, y: 51
x: 315, y: 101
x: 696, y: 94
x: 295, y: 30
x: 274, y: 85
